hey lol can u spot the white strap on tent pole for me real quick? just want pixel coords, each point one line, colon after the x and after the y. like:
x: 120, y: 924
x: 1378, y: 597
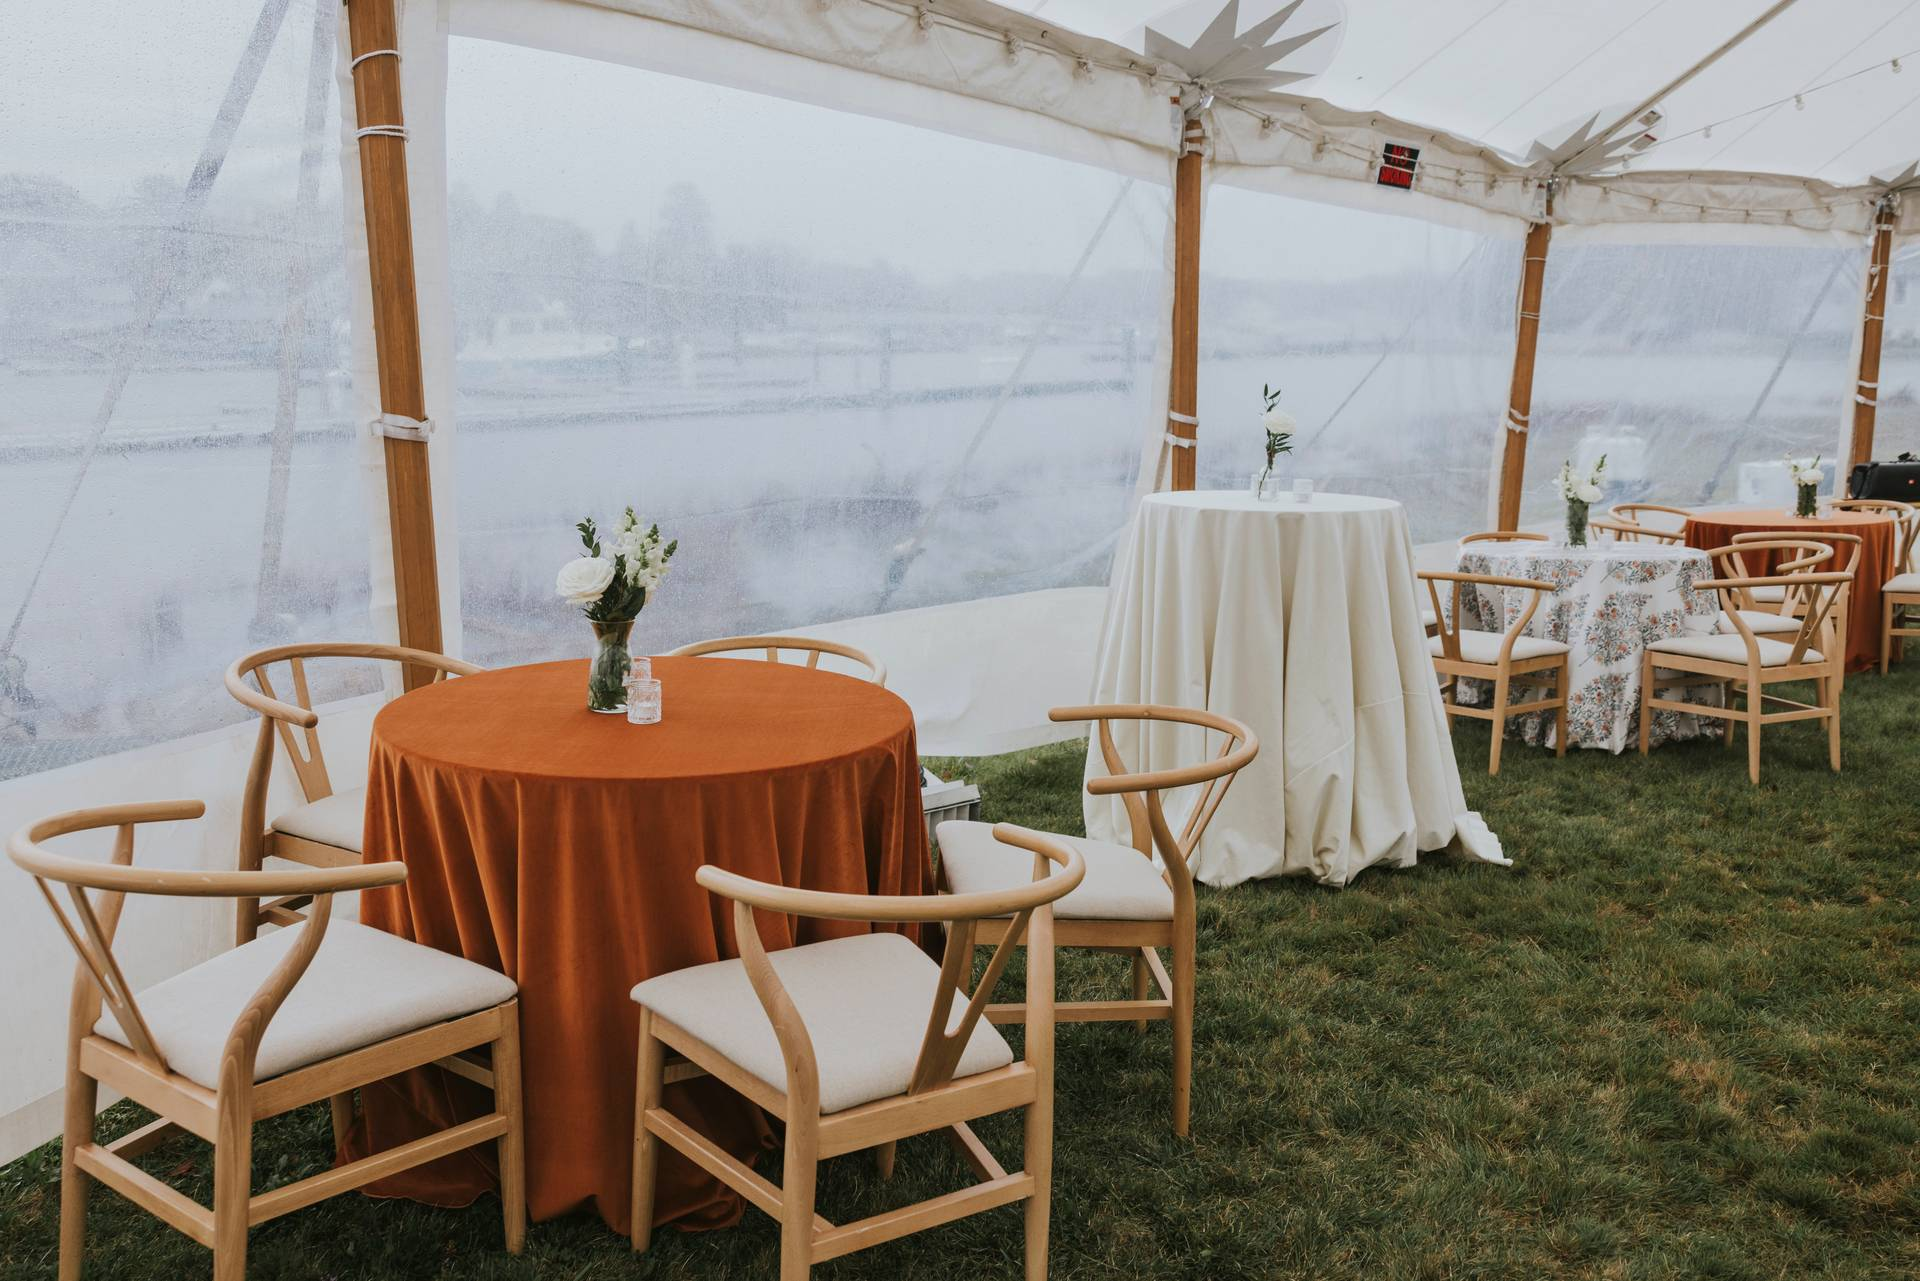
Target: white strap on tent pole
x: 1601, y: 139
x: 401, y: 427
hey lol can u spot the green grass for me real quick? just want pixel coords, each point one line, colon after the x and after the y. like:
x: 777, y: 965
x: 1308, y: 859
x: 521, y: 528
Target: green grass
x: 1677, y: 1039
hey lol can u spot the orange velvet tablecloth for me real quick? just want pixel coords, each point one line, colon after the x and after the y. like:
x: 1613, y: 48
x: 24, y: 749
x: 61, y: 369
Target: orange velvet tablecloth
x: 1708, y: 530
x: 558, y: 846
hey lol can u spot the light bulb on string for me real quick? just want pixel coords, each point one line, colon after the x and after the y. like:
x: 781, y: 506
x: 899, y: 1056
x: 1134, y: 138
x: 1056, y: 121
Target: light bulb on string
x: 1895, y: 64
x: 1799, y: 102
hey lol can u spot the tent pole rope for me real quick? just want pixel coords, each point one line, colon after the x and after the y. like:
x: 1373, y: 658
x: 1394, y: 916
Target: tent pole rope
x: 293, y: 325
x: 193, y: 202
x: 396, y: 322
x: 1604, y: 137
x: 1873, y: 325
x: 1526, y: 340
x: 909, y: 551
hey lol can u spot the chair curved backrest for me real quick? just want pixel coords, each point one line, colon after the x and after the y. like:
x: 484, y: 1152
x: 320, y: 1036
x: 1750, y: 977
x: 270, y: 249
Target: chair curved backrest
x: 1906, y: 521
x: 1822, y: 596
x: 91, y: 925
x: 775, y: 645
x: 1629, y: 531
x: 1634, y: 514
x: 1140, y: 792
x: 1450, y: 616
x: 944, y: 1040
x: 1503, y: 536
x: 309, y: 766
x: 1795, y: 555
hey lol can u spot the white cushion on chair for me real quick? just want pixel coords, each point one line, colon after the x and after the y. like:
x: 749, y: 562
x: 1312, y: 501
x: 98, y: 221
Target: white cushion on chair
x: 1902, y: 583
x: 1759, y: 620
x: 1429, y: 619
x: 1770, y: 595
x: 1732, y: 649
x: 1484, y: 647
x: 1121, y: 884
x: 363, y: 986
x: 864, y: 1000
x: 336, y: 820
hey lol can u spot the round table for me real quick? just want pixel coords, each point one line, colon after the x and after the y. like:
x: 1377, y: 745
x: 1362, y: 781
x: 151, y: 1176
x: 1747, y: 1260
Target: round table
x: 1712, y: 529
x: 1300, y: 619
x: 559, y: 846
x: 1608, y: 601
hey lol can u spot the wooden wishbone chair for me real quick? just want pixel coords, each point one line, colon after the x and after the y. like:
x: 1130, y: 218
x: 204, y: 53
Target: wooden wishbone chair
x: 1126, y: 905
x: 1506, y: 658
x: 272, y: 1025
x: 1900, y: 592
x: 326, y: 830
x: 1746, y: 662
x: 776, y: 645
x: 1503, y: 536
x: 824, y: 1036
x: 1625, y: 521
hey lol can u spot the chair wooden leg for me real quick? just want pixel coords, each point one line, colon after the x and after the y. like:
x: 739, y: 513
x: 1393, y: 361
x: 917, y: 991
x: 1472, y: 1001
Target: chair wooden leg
x: 83, y: 1096
x: 801, y: 1170
x: 1756, y: 708
x: 1646, y: 697
x: 340, y: 1106
x: 1501, y: 690
x: 1141, y: 978
x: 1562, y: 687
x: 1038, y: 1051
x: 232, y: 1189
x: 646, y: 1148
x: 507, y: 1100
x: 883, y: 1158
x: 1886, y: 632
x: 1183, y: 998
x: 1831, y: 697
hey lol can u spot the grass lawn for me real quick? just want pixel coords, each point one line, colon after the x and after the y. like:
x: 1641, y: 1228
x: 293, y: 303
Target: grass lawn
x: 1677, y: 1039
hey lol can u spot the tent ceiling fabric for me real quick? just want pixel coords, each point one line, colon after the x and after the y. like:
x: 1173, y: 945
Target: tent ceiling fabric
x: 1490, y: 91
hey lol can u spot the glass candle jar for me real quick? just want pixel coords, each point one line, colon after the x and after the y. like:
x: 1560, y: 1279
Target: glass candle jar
x: 643, y: 700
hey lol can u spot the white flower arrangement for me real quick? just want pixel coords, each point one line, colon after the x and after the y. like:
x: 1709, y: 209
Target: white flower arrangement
x: 616, y: 586
x: 1805, y: 473
x: 1575, y: 489
x: 1279, y: 425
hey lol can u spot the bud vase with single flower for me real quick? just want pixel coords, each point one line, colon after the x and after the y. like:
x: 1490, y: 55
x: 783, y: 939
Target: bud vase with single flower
x: 1576, y: 523
x: 607, y: 677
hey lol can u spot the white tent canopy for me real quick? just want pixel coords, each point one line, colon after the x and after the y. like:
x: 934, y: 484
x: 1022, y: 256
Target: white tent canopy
x: 1800, y: 126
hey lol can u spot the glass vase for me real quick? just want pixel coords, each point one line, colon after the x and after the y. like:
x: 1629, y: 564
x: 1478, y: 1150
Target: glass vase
x: 1806, y: 504
x: 1576, y: 523
x: 607, y: 676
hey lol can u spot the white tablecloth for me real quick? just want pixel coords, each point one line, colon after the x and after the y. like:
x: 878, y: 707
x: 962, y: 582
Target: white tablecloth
x: 1302, y: 621
x: 1609, y: 600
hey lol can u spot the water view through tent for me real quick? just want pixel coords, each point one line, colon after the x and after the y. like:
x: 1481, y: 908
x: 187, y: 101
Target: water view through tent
x: 930, y: 393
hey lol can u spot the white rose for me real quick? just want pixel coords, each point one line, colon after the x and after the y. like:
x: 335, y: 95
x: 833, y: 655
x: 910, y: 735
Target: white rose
x: 1589, y: 493
x: 582, y: 581
x: 1277, y: 419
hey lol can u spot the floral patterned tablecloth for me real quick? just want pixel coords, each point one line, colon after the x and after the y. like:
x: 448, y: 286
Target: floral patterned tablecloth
x: 1608, y: 601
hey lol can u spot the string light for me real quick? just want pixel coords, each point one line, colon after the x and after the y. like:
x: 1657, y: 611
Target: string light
x: 1895, y: 64
x: 1799, y: 102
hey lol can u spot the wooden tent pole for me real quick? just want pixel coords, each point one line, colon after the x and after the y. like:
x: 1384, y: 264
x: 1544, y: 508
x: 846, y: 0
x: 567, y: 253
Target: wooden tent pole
x: 1873, y: 324
x: 1526, y: 338
x: 396, y: 321
x: 1183, y: 391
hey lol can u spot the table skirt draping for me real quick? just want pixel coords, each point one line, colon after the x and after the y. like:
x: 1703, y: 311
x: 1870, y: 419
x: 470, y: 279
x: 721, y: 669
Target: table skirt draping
x: 1302, y: 621
x: 1609, y: 602
x: 1708, y: 530
x: 559, y: 847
